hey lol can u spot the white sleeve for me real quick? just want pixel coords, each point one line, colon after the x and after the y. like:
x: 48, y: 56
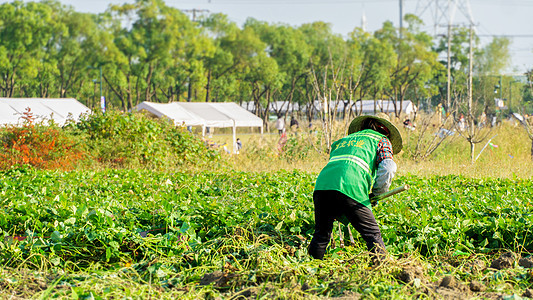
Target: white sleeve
x: 385, y: 173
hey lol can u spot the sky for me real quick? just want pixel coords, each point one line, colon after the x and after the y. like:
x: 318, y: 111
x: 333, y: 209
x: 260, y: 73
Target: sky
x: 513, y: 18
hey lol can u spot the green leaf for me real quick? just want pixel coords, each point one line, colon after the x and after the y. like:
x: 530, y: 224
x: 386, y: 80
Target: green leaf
x: 108, y: 253
x: 70, y: 221
x: 55, y: 261
x: 459, y: 252
x: 278, y: 227
x: 56, y: 237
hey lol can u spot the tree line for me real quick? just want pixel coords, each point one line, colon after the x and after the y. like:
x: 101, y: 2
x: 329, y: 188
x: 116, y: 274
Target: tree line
x: 149, y: 51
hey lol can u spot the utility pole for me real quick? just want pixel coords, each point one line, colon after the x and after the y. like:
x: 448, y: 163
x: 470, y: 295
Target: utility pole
x: 398, y: 96
x: 449, y: 71
x: 102, y: 98
x: 470, y: 66
x: 194, y: 11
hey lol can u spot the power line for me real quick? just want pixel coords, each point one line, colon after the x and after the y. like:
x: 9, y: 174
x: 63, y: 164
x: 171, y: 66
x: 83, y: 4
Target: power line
x: 507, y: 35
x: 506, y: 3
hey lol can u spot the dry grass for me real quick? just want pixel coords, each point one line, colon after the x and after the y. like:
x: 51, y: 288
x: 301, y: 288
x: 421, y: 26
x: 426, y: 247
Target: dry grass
x: 512, y: 157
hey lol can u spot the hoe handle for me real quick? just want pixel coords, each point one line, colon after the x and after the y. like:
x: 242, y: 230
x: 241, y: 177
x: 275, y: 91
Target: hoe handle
x: 389, y: 193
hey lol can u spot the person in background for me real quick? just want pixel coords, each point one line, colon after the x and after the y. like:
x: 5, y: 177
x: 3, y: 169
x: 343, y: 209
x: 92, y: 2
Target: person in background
x: 360, y: 166
x: 441, y: 114
x: 209, y: 144
x: 280, y: 125
x: 483, y: 120
x: 294, y: 124
x: 239, y: 145
x: 461, y: 123
x: 408, y: 124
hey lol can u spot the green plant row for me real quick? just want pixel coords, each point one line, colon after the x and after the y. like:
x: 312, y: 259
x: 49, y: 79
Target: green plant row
x: 172, y: 229
x: 104, y: 215
x: 462, y: 214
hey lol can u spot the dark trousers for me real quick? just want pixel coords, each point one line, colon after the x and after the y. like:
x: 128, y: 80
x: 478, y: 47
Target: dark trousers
x: 331, y: 205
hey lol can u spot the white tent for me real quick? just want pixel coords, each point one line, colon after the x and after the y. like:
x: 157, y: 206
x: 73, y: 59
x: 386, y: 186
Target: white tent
x: 8, y: 115
x: 59, y: 110
x: 386, y: 106
x: 209, y: 113
x: 241, y: 117
x: 367, y: 106
x: 68, y: 108
x: 173, y: 111
x: 205, y: 114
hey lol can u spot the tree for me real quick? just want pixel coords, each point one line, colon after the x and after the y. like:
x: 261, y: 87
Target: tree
x: 73, y: 49
x: 527, y: 122
x: 221, y: 29
x: 25, y: 30
x: 261, y: 72
x: 373, y: 69
x: 287, y: 46
x: 490, y: 61
x: 417, y: 63
x: 161, y: 40
x: 475, y: 131
x: 227, y: 69
x: 459, y: 43
x: 495, y: 57
x: 327, y: 69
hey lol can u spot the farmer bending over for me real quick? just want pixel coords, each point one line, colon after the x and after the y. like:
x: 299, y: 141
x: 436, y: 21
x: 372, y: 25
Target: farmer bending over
x: 360, y: 166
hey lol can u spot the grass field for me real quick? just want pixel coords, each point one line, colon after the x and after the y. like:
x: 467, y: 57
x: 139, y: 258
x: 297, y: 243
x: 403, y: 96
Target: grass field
x: 511, y: 158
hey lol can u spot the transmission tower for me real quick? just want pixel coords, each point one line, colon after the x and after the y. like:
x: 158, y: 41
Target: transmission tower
x: 445, y: 13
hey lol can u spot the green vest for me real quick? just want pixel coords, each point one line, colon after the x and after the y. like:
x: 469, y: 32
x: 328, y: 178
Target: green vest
x: 352, y: 166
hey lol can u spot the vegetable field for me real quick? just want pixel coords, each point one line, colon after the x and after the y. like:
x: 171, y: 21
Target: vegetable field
x: 140, y: 234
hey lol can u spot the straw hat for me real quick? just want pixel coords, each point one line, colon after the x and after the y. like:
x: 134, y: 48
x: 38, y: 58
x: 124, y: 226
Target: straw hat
x: 395, y: 136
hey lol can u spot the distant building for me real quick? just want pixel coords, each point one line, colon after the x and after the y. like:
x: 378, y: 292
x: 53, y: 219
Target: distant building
x: 386, y: 106
x: 363, y: 107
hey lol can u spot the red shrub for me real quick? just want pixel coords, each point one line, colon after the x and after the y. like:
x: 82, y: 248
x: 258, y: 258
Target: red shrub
x: 38, y: 145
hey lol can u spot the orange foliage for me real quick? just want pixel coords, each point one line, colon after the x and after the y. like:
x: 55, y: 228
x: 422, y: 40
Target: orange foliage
x: 43, y: 147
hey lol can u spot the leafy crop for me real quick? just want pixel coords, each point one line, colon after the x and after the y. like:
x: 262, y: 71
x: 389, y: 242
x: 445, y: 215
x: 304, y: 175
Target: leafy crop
x: 104, y: 215
x: 177, y: 230
x: 456, y: 213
